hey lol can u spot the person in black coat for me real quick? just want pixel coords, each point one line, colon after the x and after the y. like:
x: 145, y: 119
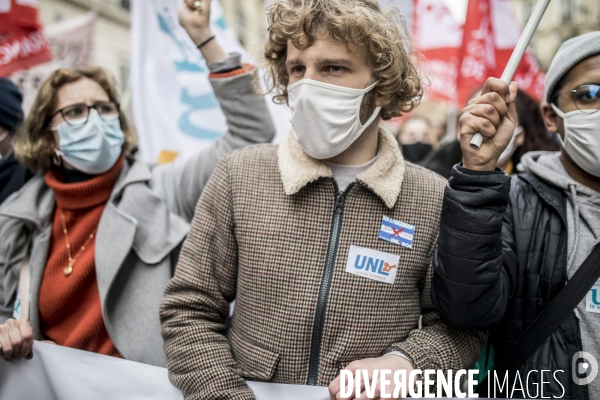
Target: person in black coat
x: 530, y: 135
x: 13, y: 175
x: 507, y: 246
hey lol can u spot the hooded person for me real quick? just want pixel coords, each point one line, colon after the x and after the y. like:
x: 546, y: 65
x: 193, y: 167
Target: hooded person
x: 13, y: 175
x: 524, y: 238
x: 324, y: 241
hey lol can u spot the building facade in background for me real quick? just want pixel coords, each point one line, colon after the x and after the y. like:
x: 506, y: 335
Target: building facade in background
x: 563, y: 20
x: 248, y: 20
x: 111, y: 47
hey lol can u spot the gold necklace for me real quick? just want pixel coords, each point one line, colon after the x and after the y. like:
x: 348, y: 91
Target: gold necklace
x: 69, y: 269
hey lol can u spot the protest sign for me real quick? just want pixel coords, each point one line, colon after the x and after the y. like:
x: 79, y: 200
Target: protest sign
x: 174, y: 108
x: 71, y: 42
x: 23, y: 43
x: 61, y: 373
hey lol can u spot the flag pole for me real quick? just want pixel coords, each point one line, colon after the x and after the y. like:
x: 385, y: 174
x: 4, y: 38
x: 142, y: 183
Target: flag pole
x: 517, y: 54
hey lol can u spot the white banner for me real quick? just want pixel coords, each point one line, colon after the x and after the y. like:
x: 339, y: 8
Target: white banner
x: 71, y: 42
x: 72, y: 39
x: 174, y: 108
x: 61, y: 373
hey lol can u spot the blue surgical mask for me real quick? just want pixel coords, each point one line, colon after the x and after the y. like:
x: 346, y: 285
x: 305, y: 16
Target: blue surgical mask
x: 92, y: 148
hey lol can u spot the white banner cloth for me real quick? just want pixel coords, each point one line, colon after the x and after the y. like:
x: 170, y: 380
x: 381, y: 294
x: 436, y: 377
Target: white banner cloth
x: 71, y: 43
x: 174, y: 107
x: 61, y: 373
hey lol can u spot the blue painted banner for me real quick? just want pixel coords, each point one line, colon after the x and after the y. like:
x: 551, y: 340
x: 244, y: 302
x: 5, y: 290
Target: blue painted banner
x: 175, y: 110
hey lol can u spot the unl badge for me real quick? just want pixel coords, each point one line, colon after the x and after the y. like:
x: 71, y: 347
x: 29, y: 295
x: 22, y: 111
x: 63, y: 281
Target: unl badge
x: 372, y: 264
x: 397, y: 232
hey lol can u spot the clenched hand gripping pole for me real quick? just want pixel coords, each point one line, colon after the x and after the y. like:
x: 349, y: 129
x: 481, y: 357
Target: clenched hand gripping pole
x: 517, y: 54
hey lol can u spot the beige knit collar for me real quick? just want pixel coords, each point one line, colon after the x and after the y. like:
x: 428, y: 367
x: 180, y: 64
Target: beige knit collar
x: 384, y: 177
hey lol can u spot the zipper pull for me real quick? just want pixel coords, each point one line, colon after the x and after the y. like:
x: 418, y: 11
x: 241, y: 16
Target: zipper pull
x: 339, y: 202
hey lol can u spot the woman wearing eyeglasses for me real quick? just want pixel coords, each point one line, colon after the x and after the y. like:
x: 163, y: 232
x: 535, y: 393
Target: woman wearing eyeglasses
x: 92, y: 240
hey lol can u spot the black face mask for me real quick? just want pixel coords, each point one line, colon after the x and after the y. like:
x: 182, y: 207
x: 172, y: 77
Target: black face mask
x: 415, y: 152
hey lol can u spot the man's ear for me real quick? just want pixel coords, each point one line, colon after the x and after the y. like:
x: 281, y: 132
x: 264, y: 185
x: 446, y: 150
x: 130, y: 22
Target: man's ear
x: 550, y: 118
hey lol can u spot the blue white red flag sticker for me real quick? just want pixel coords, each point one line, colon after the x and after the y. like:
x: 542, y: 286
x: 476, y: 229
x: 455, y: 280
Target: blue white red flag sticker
x: 372, y: 264
x: 397, y: 232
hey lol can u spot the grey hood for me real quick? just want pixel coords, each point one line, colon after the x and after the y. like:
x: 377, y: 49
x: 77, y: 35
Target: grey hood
x: 583, y: 208
x: 547, y: 166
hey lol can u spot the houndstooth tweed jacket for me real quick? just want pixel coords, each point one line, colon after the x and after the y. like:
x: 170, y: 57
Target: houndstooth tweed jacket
x: 271, y: 233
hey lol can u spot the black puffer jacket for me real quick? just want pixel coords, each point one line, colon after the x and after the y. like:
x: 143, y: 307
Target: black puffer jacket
x: 501, y: 259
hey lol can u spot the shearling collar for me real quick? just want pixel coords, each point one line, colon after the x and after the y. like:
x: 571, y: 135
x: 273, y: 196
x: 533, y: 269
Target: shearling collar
x: 384, y: 177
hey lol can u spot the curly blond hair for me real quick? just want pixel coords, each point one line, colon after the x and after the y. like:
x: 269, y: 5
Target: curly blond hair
x: 34, y: 143
x: 361, y: 23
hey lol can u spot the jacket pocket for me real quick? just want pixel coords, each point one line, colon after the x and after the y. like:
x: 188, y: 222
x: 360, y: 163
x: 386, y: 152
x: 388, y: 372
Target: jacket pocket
x: 256, y: 362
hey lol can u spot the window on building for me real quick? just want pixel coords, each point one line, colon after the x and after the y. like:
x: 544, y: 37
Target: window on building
x: 567, y: 10
x: 240, y: 25
x: 577, y: 10
x: 58, y: 17
x: 124, y: 72
x: 527, y: 11
x: 125, y: 4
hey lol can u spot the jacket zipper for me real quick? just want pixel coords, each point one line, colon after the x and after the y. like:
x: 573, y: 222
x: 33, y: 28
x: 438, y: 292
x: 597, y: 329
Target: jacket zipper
x: 317, y: 334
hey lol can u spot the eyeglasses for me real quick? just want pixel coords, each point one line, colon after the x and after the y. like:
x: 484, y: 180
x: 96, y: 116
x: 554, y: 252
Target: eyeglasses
x: 586, y: 98
x: 78, y: 114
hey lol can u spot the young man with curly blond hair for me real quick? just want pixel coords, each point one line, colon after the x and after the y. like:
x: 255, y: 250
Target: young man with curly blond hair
x: 325, y: 241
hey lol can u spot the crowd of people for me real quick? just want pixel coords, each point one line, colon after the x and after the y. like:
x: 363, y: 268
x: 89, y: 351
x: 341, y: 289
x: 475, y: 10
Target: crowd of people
x: 339, y: 249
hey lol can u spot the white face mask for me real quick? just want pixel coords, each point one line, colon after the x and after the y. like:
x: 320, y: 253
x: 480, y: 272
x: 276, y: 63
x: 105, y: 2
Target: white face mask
x: 326, y: 118
x: 510, y: 149
x: 582, y: 138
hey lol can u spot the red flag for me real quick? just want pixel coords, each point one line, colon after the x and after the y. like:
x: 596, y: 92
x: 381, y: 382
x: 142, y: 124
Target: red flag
x: 490, y: 35
x: 23, y: 44
x: 477, y: 52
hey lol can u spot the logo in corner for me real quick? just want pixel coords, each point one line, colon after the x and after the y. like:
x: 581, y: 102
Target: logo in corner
x: 584, y: 368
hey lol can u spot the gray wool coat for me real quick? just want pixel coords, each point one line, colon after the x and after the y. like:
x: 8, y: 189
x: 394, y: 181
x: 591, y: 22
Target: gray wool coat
x: 140, y: 232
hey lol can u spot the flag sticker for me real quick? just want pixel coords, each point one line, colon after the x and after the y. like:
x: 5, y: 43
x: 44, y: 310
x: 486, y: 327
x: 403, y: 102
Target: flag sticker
x: 397, y: 232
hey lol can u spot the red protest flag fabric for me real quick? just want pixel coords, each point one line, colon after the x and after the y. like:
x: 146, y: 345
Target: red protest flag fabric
x: 477, y: 51
x: 23, y: 43
x: 490, y: 35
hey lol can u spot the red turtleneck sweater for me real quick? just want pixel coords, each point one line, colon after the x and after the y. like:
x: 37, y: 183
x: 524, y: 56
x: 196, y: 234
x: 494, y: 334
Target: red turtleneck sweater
x: 70, y: 309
